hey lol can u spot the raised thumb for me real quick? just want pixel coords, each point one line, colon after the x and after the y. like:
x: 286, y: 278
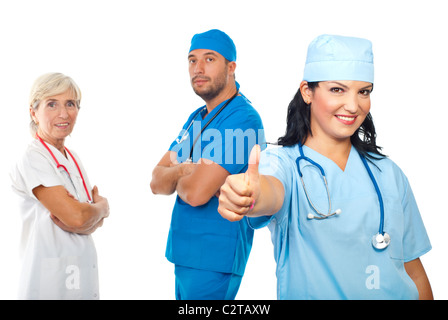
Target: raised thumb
x: 254, y: 161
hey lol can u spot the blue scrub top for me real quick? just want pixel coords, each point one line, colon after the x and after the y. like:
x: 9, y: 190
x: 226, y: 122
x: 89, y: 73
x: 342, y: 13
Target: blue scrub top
x: 334, y: 258
x: 199, y: 237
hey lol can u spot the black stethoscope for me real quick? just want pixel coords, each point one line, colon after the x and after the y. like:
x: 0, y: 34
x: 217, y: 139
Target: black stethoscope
x: 185, y: 134
x: 380, y: 240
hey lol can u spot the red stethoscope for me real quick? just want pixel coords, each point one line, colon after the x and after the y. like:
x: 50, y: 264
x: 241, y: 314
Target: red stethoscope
x: 58, y: 165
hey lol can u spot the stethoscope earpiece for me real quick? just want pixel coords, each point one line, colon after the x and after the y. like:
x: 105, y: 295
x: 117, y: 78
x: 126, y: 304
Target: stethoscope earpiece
x: 322, y: 216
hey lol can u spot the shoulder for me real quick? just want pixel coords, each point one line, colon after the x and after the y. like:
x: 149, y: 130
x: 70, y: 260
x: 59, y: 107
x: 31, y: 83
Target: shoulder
x: 242, y: 111
x: 34, y: 153
x: 385, y: 164
x: 194, y: 115
x: 35, y: 162
x: 285, y: 153
x: 196, y: 112
x: 241, y: 103
x: 34, y: 168
x: 389, y: 173
x: 278, y: 161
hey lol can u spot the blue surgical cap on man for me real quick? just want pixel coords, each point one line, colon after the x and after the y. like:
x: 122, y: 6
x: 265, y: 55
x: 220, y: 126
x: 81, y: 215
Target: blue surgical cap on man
x: 215, y: 40
x: 332, y: 57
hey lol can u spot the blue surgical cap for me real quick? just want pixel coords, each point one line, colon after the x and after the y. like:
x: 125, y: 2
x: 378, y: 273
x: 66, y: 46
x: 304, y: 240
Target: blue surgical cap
x: 332, y: 57
x: 215, y: 40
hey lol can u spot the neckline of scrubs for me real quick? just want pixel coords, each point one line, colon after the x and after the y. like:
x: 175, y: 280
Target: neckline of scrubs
x: 326, y: 162
x: 215, y: 109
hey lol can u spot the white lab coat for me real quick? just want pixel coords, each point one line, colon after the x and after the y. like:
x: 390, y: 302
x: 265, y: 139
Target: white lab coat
x: 55, y: 264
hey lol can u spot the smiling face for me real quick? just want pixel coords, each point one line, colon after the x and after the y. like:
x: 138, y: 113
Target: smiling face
x: 338, y: 108
x: 56, y: 118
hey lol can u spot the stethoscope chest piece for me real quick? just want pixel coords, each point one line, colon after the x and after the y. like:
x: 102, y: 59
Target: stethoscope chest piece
x: 381, y: 241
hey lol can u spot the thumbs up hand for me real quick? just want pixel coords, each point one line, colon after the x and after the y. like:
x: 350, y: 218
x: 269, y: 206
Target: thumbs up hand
x: 240, y: 192
x: 252, y: 175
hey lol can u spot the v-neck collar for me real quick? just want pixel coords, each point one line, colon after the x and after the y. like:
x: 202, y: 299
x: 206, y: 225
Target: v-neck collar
x: 67, y: 162
x: 209, y: 115
x: 327, y: 162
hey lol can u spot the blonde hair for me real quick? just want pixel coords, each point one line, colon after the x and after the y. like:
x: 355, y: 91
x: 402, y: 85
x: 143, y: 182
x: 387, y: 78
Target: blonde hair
x: 48, y: 85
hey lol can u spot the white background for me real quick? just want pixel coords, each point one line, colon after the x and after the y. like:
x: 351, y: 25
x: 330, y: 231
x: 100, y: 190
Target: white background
x: 130, y: 60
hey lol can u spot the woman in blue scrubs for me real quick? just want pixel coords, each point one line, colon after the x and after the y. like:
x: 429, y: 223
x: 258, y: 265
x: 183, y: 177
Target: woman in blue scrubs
x: 322, y: 234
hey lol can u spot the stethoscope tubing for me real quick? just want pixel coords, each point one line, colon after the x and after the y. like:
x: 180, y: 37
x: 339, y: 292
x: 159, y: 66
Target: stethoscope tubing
x: 60, y: 166
x: 320, y: 216
x: 378, y: 192
x: 190, y: 158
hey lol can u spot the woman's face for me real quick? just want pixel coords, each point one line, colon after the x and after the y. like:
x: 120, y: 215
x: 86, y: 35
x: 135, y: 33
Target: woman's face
x: 56, y: 117
x: 338, y: 108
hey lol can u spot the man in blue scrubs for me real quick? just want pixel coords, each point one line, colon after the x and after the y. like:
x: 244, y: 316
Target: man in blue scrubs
x: 209, y: 252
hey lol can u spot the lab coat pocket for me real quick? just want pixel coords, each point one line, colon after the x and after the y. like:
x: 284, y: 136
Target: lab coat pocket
x: 394, y: 226
x: 60, y: 278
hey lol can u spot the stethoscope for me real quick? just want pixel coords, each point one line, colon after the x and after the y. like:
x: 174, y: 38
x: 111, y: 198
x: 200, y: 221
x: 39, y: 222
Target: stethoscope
x: 380, y: 240
x: 59, y: 166
x: 186, y: 134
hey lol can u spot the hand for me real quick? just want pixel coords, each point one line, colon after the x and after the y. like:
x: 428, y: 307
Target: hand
x: 64, y: 227
x: 71, y: 196
x: 186, y: 168
x: 101, y: 202
x: 96, y: 199
x: 240, y: 192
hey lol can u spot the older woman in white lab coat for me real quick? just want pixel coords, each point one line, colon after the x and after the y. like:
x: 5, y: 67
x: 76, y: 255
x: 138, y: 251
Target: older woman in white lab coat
x: 58, y: 206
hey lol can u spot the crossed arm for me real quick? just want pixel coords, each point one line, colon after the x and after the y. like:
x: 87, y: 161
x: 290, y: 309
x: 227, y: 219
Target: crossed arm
x: 195, y: 183
x: 71, y: 215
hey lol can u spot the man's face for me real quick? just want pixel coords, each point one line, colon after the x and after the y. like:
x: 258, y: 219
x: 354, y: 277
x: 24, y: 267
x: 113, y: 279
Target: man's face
x: 208, y: 73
